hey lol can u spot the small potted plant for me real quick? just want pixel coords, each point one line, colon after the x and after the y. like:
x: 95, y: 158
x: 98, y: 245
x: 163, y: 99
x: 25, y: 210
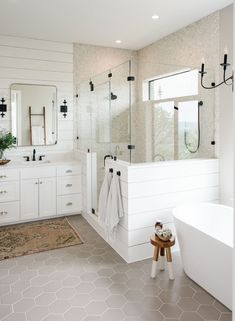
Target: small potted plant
x: 7, y: 141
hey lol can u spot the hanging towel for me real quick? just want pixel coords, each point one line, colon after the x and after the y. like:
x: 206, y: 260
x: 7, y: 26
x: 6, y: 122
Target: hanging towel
x: 114, y: 210
x: 103, y: 197
x: 37, y: 135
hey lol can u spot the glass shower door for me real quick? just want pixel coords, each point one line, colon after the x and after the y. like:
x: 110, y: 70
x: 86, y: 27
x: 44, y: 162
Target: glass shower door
x: 110, y: 123
x: 101, y: 132
x: 120, y: 112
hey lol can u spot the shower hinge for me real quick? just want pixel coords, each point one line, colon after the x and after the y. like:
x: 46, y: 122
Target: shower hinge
x: 130, y: 146
x: 130, y: 78
x: 110, y: 75
x: 93, y: 211
x: 91, y: 86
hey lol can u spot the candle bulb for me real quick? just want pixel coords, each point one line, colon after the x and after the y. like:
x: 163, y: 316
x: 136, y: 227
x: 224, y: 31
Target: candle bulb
x: 225, y: 59
x: 203, y: 66
x: 202, y: 69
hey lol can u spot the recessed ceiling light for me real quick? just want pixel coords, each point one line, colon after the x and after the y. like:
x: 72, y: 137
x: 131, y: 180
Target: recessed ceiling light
x: 155, y: 17
x: 118, y: 41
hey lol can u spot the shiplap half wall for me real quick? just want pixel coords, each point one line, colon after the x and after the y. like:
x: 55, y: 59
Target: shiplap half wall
x: 31, y: 61
x: 150, y: 192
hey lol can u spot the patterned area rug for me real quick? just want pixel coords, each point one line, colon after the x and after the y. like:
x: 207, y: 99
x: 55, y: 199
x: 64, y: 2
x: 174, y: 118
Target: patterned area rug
x: 34, y: 237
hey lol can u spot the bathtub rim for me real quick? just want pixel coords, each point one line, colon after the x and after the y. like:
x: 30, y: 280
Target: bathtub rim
x: 187, y: 205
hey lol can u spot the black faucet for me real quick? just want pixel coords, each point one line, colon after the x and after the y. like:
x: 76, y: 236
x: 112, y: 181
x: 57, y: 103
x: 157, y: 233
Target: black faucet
x: 34, y: 153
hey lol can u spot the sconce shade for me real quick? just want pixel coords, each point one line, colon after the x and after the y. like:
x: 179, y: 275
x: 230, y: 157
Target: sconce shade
x: 3, y: 107
x: 64, y: 108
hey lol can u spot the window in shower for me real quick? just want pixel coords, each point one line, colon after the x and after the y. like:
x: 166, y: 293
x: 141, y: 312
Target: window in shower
x: 179, y: 84
x: 175, y: 130
x: 163, y: 131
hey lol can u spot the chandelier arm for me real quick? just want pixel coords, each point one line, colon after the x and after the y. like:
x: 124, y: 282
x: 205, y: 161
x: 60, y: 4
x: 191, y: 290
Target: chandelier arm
x: 225, y: 80
x: 212, y: 87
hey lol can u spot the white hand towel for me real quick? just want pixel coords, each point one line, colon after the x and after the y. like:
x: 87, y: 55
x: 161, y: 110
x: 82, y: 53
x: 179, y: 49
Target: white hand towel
x: 103, y: 197
x: 37, y: 135
x: 114, y: 210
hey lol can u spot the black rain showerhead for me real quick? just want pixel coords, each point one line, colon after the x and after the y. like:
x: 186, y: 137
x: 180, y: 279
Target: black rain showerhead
x: 113, y: 96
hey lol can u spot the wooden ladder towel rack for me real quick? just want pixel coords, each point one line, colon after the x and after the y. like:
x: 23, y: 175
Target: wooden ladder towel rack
x: 30, y: 123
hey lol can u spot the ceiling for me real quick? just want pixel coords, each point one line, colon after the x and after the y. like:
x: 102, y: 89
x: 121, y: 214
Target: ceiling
x: 101, y: 22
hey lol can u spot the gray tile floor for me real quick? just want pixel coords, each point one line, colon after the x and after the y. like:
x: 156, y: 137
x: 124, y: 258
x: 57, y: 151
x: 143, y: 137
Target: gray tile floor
x: 90, y: 282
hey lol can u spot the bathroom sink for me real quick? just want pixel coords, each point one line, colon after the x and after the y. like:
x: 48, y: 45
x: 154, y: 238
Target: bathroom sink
x: 36, y: 163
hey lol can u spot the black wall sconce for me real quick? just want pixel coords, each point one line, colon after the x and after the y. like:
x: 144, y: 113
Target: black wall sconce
x: 64, y: 108
x: 3, y: 107
x: 226, y: 80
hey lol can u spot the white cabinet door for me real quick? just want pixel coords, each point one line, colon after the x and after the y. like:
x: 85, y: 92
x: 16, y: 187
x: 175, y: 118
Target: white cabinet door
x: 47, y: 197
x: 29, y: 199
x: 69, y: 204
x: 68, y: 185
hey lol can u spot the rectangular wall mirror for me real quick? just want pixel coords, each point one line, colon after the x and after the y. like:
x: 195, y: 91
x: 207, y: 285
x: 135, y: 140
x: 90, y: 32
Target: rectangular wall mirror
x: 33, y: 114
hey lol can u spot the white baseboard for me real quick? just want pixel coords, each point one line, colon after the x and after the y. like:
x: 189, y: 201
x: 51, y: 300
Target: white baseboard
x: 130, y: 254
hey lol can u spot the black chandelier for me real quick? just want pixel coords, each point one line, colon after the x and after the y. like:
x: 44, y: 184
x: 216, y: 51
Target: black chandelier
x: 226, y: 80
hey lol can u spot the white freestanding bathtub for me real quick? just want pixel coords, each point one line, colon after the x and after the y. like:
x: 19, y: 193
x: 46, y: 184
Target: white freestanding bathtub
x: 205, y: 236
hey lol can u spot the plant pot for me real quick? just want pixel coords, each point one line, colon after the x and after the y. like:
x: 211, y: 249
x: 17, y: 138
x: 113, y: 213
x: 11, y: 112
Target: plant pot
x: 3, y: 160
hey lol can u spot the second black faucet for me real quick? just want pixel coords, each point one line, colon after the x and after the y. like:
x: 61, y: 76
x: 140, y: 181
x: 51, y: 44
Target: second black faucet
x: 34, y: 155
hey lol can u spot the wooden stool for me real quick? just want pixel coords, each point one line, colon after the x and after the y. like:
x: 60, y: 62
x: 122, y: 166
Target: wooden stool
x: 162, y: 248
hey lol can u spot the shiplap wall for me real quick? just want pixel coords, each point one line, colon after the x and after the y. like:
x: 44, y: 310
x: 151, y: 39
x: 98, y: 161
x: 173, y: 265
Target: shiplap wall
x: 150, y: 192
x: 31, y: 61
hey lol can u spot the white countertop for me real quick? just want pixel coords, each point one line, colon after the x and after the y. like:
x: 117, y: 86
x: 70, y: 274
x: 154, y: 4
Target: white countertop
x: 32, y: 164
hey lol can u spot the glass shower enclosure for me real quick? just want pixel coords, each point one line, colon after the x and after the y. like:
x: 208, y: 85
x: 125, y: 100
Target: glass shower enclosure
x: 140, y: 112
x: 104, y: 118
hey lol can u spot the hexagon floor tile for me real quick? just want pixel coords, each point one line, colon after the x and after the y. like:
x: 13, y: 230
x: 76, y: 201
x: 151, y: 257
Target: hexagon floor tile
x: 90, y: 282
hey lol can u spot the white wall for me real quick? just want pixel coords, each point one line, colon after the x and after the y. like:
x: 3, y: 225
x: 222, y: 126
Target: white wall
x: 226, y: 111
x: 30, y: 61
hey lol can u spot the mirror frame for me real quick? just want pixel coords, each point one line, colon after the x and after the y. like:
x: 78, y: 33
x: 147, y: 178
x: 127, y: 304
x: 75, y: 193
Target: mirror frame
x: 56, y: 107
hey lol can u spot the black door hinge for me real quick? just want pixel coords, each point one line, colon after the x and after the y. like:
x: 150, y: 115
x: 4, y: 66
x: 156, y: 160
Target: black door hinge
x: 91, y: 86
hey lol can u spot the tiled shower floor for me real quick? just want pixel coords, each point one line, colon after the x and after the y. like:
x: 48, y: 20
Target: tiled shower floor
x: 90, y: 282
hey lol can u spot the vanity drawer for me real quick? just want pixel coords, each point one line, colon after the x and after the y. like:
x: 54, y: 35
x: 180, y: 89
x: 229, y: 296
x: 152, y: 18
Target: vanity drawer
x: 66, y: 170
x: 69, y: 185
x: 9, y: 212
x: 38, y: 172
x: 9, y: 191
x: 9, y: 175
x: 69, y: 204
